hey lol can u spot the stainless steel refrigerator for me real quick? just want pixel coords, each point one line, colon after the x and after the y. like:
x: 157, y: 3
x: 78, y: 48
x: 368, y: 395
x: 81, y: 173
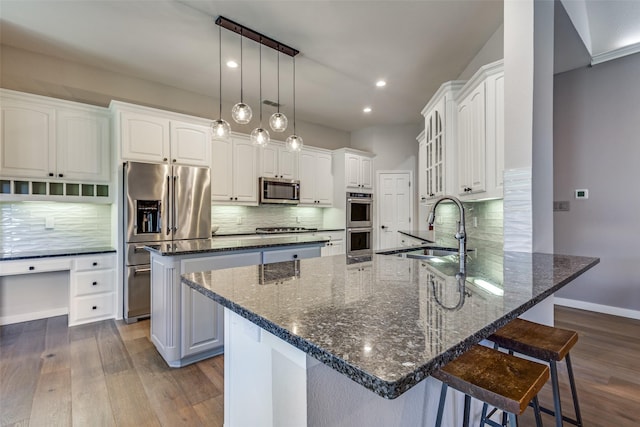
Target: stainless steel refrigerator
x: 161, y: 203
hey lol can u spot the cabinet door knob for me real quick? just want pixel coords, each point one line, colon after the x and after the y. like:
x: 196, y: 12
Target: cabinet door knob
x: 165, y: 159
x: 295, y: 256
x: 31, y: 268
x: 230, y: 198
x: 94, y: 263
x: 174, y: 160
x: 50, y: 173
x: 94, y: 283
x: 60, y: 175
x: 95, y: 307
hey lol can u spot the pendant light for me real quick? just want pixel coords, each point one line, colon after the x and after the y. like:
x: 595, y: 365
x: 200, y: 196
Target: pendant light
x: 278, y: 121
x: 220, y: 127
x: 260, y: 136
x: 294, y: 142
x: 241, y: 112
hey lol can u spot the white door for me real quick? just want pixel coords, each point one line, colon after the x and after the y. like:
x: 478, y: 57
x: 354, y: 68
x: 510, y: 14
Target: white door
x: 395, y: 207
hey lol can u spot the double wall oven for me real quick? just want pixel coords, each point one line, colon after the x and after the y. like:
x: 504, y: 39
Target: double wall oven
x: 359, y: 224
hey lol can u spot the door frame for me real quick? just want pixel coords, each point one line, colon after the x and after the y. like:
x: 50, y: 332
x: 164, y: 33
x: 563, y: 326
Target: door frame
x: 376, y: 202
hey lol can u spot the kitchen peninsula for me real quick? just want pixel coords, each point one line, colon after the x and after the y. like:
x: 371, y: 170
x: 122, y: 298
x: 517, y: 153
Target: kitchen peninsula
x: 354, y: 343
x: 187, y: 327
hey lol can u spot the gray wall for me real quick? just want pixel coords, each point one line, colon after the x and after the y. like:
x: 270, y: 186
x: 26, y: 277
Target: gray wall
x: 597, y: 147
x: 48, y: 76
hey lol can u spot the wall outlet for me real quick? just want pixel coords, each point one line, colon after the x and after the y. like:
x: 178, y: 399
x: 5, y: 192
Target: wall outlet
x: 49, y: 223
x: 582, y: 194
x: 239, y: 220
x: 298, y: 219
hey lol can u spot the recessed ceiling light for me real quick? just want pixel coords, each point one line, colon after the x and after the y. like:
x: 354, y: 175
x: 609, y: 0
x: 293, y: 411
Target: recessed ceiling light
x: 232, y: 64
x: 367, y: 109
x: 381, y: 83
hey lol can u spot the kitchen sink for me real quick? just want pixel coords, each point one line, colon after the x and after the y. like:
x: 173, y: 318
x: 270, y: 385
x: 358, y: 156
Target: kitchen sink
x: 420, y: 252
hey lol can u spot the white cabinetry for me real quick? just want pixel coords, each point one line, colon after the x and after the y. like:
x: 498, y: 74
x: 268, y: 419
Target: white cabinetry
x: 92, y: 289
x: 437, y: 148
x: 335, y: 245
x: 480, y: 137
x: 48, y: 138
x: 234, y: 178
x: 278, y: 162
x: 316, y: 179
x: 409, y: 241
x: 359, y: 171
x: 156, y: 136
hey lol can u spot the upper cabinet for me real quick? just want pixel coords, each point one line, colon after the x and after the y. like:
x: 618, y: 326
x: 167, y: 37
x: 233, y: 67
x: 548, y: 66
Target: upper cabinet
x: 278, y: 162
x: 437, y: 149
x: 52, y: 139
x: 461, y: 151
x: 156, y: 136
x: 480, y: 138
x: 234, y: 178
x: 353, y: 169
x: 316, y: 179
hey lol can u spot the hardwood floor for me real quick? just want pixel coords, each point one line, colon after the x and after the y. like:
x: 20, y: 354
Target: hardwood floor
x: 109, y: 373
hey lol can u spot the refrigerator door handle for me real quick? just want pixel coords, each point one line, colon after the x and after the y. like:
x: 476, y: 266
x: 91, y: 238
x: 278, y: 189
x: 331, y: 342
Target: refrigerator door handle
x: 175, y: 205
x: 168, y: 210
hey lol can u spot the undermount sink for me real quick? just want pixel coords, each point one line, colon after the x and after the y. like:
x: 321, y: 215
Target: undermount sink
x: 420, y: 252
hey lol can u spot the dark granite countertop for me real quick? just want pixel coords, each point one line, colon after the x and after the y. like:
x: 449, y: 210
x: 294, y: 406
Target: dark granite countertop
x: 48, y: 253
x: 185, y: 247
x: 319, y: 230
x: 389, y: 322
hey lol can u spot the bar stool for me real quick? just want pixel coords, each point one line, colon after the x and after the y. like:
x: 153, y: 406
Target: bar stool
x: 501, y: 380
x: 545, y: 343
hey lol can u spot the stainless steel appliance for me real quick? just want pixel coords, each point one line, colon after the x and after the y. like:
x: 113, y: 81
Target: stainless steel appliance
x: 359, y: 210
x: 279, y: 191
x: 359, y: 241
x: 161, y: 203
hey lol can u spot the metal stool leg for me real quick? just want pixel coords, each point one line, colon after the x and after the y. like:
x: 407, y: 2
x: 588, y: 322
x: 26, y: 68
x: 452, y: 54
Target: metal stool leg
x: 467, y: 409
x: 556, y: 393
x: 536, y: 409
x: 443, y: 397
x: 574, y: 394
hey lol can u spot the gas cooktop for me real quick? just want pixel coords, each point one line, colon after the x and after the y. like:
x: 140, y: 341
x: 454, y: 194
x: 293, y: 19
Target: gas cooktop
x: 276, y: 230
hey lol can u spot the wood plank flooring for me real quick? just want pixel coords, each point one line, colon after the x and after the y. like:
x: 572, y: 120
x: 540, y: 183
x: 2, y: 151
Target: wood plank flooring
x: 109, y: 373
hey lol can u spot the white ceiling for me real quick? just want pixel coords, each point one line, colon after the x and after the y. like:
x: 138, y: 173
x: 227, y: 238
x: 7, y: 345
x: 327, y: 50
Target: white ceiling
x: 345, y: 46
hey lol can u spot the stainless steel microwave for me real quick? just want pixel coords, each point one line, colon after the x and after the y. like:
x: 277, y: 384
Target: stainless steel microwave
x: 279, y: 191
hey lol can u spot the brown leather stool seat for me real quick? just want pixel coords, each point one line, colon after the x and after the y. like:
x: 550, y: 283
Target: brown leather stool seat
x: 504, y: 381
x: 545, y: 343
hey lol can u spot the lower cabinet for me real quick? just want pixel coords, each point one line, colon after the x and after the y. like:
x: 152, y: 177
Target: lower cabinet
x: 186, y: 326
x: 92, y: 289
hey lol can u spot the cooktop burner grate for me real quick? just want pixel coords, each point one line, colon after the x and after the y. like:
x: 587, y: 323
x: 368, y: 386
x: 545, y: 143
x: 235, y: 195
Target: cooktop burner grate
x: 276, y: 230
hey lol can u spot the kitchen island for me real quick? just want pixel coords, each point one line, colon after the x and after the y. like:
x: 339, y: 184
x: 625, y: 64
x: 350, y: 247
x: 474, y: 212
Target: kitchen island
x: 352, y: 343
x: 186, y: 326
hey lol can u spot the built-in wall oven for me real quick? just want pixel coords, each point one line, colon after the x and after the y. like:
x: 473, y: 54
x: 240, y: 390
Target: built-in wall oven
x: 359, y: 241
x: 359, y: 210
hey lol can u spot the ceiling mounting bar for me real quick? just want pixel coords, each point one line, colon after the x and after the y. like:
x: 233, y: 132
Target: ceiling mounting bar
x: 255, y: 36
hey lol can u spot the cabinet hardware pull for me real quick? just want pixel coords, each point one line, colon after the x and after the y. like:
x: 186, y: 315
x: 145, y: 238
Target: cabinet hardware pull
x: 141, y: 270
x: 295, y: 256
x: 31, y: 268
x: 94, y: 263
x: 50, y: 173
x: 60, y: 175
x: 95, y: 307
x: 165, y: 159
x: 94, y: 283
x: 174, y: 160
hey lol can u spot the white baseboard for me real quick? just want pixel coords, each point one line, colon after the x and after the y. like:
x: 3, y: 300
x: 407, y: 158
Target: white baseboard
x: 599, y: 308
x: 25, y: 317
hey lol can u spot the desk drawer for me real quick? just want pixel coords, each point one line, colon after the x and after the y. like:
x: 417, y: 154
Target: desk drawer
x: 92, y: 282
x: 34, y: 265
x: 95, y: 262
x: 91, y: 308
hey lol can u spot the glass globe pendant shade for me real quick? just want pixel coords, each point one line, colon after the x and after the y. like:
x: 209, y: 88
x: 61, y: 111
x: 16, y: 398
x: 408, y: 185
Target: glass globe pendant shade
x: 260, y: 137
x: 294, y: 143
x: 221, y: 129
x: 278, y: 122
x: 241, y: 113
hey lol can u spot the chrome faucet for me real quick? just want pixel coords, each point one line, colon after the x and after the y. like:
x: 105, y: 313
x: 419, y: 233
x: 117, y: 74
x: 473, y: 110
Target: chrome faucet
x: 461, y: 234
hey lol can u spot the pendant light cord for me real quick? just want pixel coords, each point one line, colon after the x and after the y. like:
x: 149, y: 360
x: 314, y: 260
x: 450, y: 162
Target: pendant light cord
x: 241, y: 68
x: 220, y: 67
x: 278, y: 53
x: 260, y: 85
x: 294, y: 95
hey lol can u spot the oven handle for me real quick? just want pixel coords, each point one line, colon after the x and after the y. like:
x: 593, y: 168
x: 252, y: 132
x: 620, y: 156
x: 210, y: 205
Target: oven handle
x: 360, y: 230
x: 141, y: 270
x: 360, y: 201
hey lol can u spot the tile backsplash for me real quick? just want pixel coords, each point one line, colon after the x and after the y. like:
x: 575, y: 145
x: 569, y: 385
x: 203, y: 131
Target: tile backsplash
x: 245, y: 219
x: 74, y: 225
x: 488, y: 214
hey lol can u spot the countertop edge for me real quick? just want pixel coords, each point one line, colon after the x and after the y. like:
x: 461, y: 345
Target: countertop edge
x: 265, y: 244
x: 386, y: 389
x: 72, y: 252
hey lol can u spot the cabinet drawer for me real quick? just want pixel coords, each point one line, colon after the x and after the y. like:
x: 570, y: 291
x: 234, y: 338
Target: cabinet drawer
x: 95, y: 262
x: 92, y: 282
x: 90, y: 308
x: 281, y: 255
x: 35, y: 265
